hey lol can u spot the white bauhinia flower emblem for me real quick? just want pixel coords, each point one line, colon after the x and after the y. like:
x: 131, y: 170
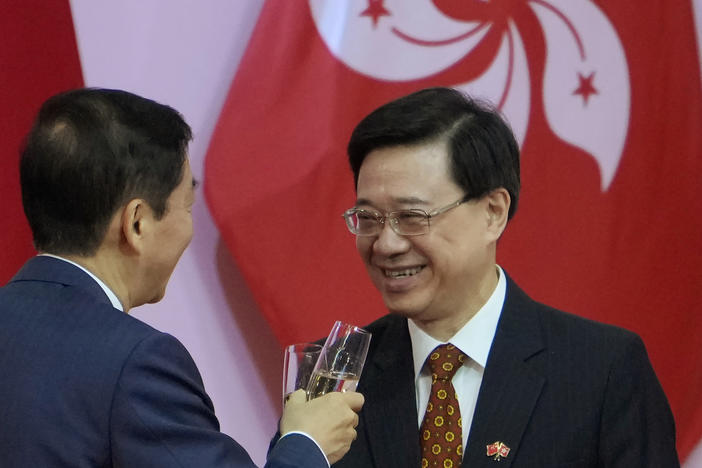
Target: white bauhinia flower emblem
x: 478, y: 46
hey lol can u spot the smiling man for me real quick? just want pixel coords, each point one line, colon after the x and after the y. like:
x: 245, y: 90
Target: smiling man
x: 467, y: 369
x: 108, y: 193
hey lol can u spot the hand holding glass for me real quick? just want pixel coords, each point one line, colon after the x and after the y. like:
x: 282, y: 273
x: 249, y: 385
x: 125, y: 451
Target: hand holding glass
x: 340, y: 362
x: 298, y: 362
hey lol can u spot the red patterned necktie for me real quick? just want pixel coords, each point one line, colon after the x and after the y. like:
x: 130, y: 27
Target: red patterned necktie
x: 440, y: 434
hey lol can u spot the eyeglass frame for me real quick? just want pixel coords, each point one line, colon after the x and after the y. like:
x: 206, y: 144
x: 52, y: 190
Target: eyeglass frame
x: 392, y: 215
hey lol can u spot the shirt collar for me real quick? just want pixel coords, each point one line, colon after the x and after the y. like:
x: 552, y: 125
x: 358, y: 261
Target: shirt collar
x: 474, y: 339
x: 110, y: 295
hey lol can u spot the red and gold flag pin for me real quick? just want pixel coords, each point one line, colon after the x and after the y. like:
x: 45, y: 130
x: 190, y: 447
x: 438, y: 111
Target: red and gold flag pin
x: 497, y: 450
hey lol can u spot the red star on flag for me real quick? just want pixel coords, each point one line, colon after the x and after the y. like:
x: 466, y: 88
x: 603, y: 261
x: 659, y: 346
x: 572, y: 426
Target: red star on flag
x: 586, y: 89
x: 375, y: 10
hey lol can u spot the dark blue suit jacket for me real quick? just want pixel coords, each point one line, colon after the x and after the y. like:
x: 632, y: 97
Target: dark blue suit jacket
x: 560, y: 391
x: 85, y: 385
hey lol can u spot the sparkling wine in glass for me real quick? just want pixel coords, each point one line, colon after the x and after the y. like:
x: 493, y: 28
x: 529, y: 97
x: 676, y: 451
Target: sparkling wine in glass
x: 340, y: 362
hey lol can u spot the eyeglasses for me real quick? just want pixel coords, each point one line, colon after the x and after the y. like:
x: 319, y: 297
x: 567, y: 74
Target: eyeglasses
x: 412, y: 222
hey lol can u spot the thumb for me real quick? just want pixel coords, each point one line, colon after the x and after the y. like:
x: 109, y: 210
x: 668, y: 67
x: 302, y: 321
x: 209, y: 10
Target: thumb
x: 298, y: 397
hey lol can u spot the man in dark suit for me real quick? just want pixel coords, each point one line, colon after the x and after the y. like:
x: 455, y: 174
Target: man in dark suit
x: 466, y: 369
x: 108, y: 192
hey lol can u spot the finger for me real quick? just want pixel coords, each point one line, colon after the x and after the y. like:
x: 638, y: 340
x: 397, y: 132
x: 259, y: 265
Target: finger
x: 355, y: 400
x: 297, y: 397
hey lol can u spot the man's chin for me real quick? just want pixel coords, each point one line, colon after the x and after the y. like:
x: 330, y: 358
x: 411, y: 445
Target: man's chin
x: 157, y: 297
x: 402, y: 310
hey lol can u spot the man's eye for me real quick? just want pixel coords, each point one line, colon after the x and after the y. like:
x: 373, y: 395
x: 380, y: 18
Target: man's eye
x: 366, y: 219
x: 410, y: 217
x: 365, y: 216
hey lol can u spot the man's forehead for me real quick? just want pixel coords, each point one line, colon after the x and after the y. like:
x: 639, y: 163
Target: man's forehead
x: 399, y: 200
x: 405, y: 171
x: 408, y: 158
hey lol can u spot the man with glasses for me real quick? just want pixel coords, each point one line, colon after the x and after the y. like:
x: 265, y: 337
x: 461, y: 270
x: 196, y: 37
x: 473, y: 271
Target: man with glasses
x: 467, y: 369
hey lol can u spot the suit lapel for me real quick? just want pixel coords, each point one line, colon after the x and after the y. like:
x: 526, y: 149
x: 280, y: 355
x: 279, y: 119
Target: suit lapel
x: 390, y: 412
x: 511, y: 382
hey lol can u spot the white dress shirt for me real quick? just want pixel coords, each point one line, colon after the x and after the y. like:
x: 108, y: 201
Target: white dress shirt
x: 475, y: 340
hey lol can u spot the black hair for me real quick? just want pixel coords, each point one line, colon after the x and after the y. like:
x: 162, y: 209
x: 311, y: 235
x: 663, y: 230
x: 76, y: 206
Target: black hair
x: 88, y: 153
x: 483, y: 152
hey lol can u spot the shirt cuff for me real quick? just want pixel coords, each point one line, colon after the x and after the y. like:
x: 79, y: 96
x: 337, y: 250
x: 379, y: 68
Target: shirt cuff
x: 312, y: 439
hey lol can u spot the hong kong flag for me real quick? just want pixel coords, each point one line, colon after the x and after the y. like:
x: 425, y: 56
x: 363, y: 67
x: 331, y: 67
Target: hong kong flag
x: 604, y: 98
x: 38, y: 58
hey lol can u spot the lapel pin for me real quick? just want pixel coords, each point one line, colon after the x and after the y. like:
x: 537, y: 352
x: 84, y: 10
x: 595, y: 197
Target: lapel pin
x: 497, y: 450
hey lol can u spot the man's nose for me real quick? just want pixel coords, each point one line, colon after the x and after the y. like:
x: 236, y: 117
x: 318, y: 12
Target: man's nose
x: 389, y: 242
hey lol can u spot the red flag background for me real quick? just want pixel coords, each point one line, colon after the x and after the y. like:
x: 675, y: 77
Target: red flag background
x: 605, y: 98
x: 38, y: 58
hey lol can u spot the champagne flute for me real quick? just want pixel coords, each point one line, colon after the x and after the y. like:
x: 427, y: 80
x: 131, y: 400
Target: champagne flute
x: 298, y: 361
x: 340, y: 362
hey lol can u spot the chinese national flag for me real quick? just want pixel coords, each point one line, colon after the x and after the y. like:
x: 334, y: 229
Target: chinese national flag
x: 604, y: 98
x: 38, y: 58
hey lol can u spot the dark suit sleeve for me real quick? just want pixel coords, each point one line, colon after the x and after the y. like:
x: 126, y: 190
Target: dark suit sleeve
x: 161, y: 416
x: 637, y: 425
x: 296, y: 451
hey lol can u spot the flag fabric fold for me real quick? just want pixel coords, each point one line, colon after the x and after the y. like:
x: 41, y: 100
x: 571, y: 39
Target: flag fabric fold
x: 38, y: 58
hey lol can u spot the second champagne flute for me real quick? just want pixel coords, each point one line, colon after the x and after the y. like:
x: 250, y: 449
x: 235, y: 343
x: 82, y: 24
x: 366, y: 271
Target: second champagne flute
x: 340, y: 362
x: 298, y: 361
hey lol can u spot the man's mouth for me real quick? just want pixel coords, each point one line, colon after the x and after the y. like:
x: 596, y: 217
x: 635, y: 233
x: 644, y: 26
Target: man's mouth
x: 403, y: 273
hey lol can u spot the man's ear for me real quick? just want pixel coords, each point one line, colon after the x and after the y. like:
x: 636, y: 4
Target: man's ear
x: 498, y: 203
x: 135, y: 223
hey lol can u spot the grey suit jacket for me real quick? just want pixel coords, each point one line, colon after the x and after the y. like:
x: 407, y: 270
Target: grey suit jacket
x: 558, y: 390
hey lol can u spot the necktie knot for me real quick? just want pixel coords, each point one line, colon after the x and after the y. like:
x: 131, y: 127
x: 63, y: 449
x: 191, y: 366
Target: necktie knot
x: 445, y: 361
